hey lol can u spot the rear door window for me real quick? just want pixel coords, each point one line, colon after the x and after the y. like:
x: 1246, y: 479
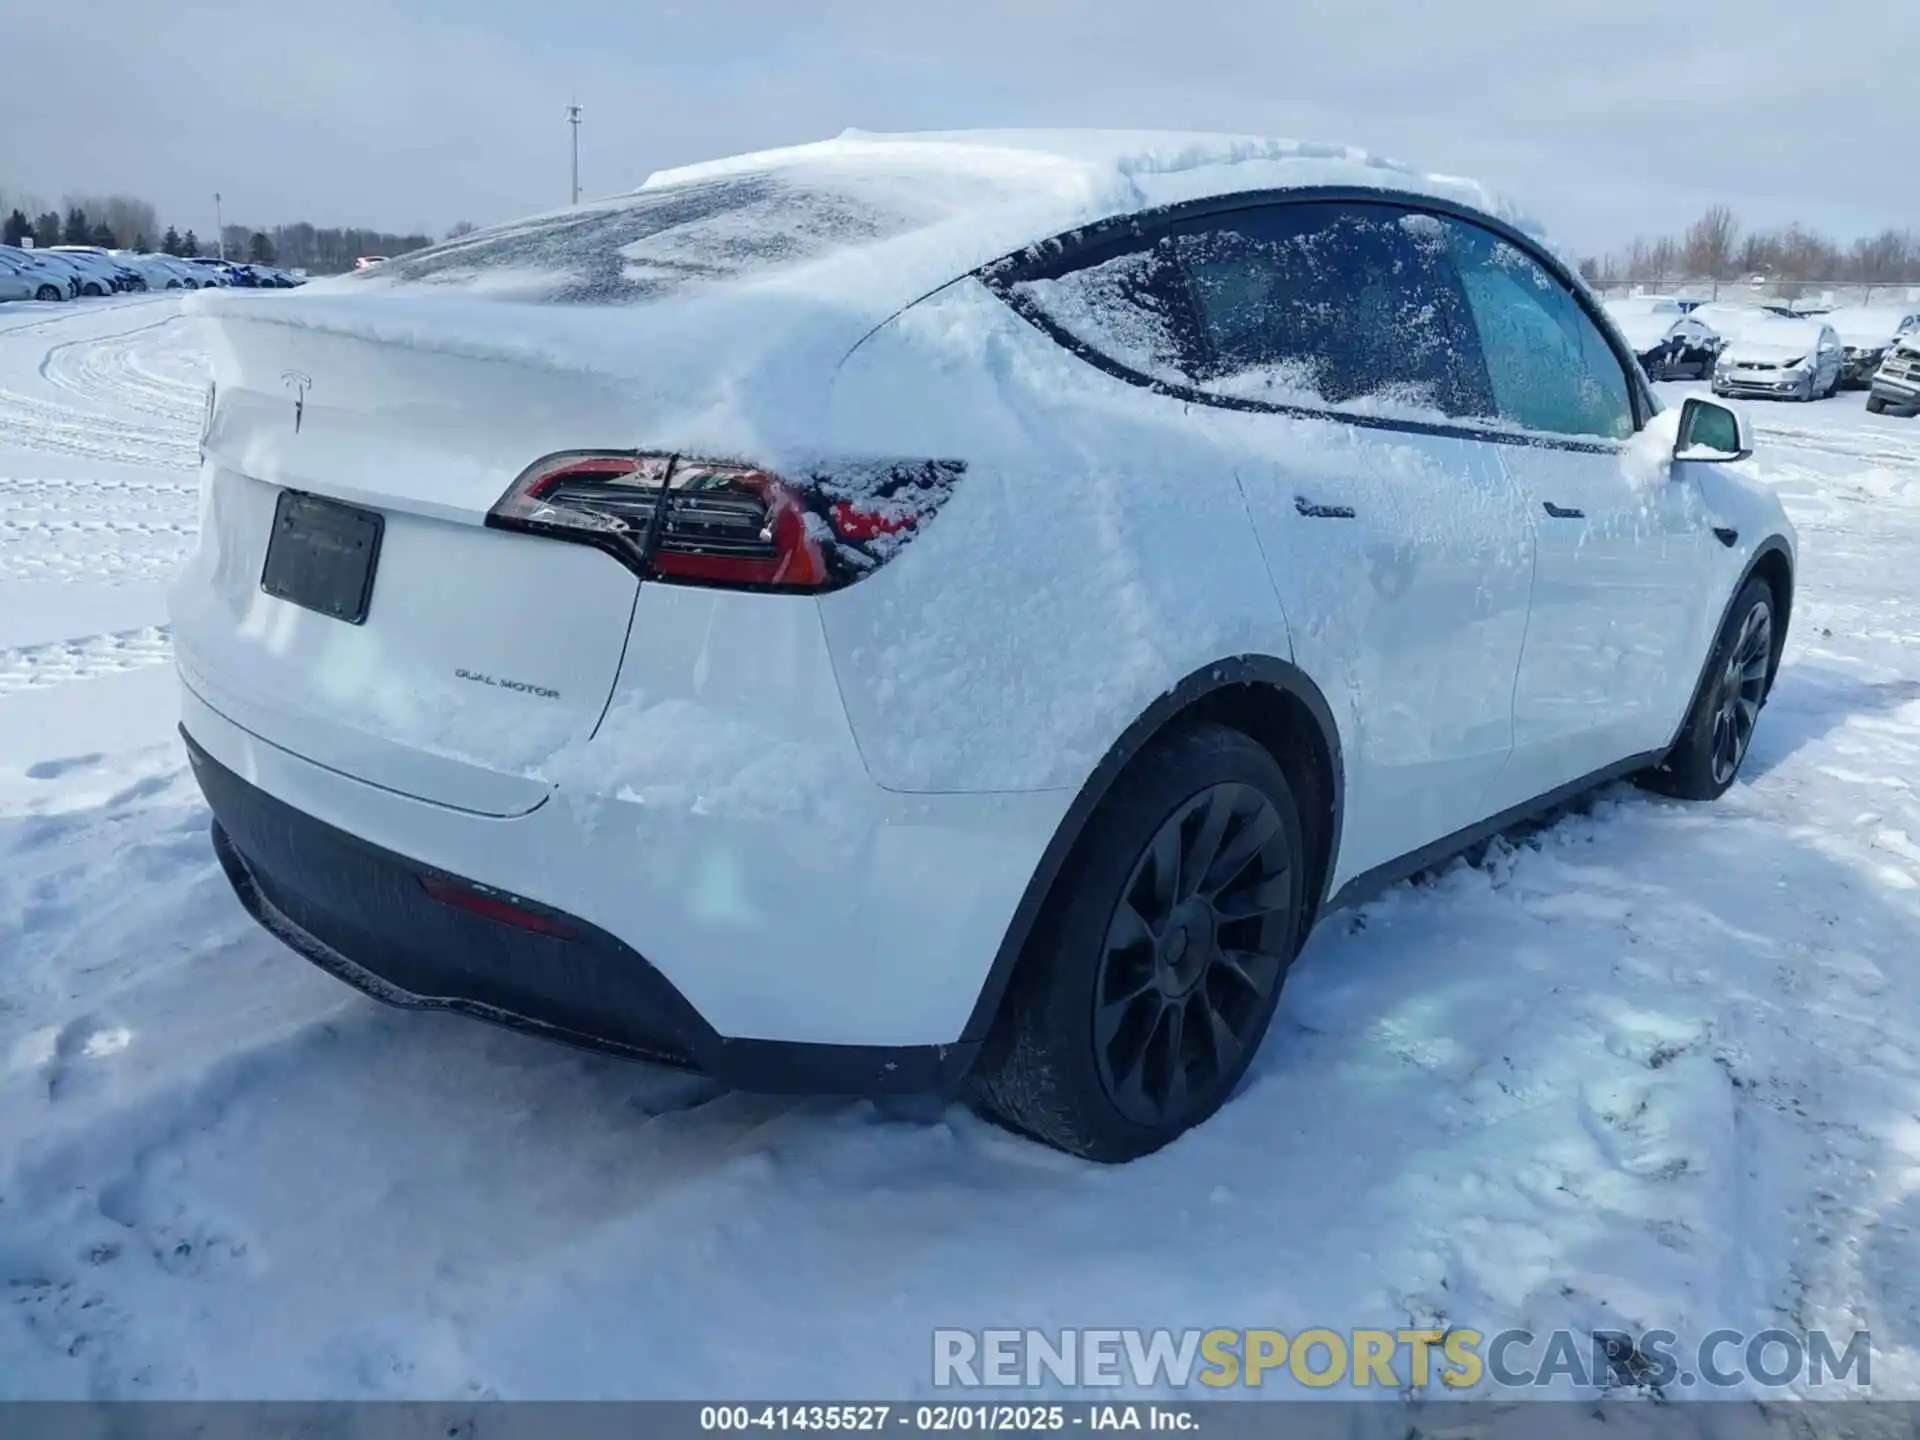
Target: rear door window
x: 1348, y: 307
x: 1345, y: 305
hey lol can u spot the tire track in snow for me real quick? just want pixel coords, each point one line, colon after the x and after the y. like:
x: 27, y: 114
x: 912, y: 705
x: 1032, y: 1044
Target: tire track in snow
x: 59, y: 662
x: 117, y: 371
x: 66, y: 487
x: 1874, y: 446
x: 136, y: 398
x: 32, y: 424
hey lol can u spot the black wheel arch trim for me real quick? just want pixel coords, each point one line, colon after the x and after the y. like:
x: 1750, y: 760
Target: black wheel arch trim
x: 1772, y: 545
x: 1237, y: 670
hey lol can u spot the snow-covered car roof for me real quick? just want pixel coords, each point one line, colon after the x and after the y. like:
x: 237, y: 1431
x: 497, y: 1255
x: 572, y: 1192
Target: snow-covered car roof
x: 1646, y: 328
x: 1730, y: 317
x: 1870, y: 325
x: 887, y: 217
x: 1643, y: 305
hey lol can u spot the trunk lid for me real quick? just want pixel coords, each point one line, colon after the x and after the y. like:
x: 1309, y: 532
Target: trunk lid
x: 482, y: 653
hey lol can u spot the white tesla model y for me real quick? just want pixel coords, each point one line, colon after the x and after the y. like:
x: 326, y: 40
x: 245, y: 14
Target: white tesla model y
x: 942, y: 611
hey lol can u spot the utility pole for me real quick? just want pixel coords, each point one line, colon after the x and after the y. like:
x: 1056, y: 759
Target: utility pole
x: 219, y: 225
x: 573, y: 119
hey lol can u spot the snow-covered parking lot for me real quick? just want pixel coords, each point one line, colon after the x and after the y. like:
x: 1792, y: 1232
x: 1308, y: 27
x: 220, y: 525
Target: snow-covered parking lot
x: 1656, y: 1065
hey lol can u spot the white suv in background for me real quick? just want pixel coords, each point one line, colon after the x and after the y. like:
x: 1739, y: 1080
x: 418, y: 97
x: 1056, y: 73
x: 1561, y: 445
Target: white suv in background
x: 943, y: 611
x: 1896, y: 384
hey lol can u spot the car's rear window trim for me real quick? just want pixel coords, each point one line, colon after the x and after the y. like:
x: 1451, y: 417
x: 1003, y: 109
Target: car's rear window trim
x: 1062, y: 254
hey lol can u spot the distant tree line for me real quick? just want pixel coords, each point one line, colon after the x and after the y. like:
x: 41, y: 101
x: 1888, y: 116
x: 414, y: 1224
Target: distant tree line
x: 1715, y: 247
x: 117, y: 222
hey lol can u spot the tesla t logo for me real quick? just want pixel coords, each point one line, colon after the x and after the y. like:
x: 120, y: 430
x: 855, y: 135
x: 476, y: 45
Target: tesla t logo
x: 299, y: 384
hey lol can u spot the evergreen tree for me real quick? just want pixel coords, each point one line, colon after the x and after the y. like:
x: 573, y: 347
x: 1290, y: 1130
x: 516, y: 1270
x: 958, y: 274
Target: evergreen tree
x: 17, y: 228
x: 170, y: 242
x: 46, y: 230
x: 77, y: 231
x: 140, y: 244
x: 101, y: 236
x: 190, y: 244
x: 260, y: 248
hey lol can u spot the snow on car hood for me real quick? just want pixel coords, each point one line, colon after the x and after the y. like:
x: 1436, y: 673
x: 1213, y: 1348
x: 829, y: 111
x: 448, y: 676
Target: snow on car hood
x: 1772, y: 349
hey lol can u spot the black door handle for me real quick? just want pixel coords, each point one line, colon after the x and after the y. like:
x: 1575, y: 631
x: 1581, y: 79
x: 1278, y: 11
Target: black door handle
x: 1321, y: 512
x: 1726, y: 535
x: 1557, y: 513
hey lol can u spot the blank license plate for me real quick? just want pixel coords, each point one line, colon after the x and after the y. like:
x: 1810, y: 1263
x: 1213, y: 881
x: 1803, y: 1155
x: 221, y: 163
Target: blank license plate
x: 322, y: 555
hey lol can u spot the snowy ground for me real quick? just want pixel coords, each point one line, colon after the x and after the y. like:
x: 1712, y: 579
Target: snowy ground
x: 1655, y: 1065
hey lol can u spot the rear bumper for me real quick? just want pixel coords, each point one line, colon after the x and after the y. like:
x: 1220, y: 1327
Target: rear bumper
x: 365, y: 915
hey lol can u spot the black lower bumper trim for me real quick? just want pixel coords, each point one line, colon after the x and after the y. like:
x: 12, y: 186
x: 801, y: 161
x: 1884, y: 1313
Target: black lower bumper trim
x: 362, y: 914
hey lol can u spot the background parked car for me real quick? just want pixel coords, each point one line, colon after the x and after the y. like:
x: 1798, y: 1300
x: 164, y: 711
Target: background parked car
x: 192, y: 277
x: 1896, y: 385
x: 62, y: 279
x: 154, y: 273
x: 19, y: 283
x: 125, y: 277
x: 212, y: 271
x: 98, y: 275
x: 1780, y: 359
x: 1867, y: 333
x: 1671, y: 344
x: 76, y: 279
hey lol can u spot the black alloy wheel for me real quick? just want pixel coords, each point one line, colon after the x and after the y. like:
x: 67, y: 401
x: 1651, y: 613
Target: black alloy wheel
x: 1156, y: 963
x: 1190, y: 960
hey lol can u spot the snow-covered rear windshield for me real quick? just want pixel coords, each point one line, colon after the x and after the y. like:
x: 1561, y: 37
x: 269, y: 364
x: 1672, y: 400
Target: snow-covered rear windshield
x: 654, y: 242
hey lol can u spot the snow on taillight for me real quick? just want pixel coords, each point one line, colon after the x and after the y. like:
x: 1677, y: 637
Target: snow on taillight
x: 729, y: 524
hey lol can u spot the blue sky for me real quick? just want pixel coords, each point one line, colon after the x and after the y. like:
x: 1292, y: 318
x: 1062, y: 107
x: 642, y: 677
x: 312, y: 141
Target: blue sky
x: 1604, y: 117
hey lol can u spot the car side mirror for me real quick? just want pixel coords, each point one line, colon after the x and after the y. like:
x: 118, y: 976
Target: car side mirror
x: 1711, y: 433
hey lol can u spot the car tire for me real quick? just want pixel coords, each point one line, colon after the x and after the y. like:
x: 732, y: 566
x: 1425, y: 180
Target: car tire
x: 48, y: 292
x: 1876, y: 405
x: 94, y: 290
x: 1713, y: 741
x: 1146, y: 988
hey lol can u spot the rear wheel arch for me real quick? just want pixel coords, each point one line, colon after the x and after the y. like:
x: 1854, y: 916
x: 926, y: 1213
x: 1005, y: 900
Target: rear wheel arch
x: 1270, y: 700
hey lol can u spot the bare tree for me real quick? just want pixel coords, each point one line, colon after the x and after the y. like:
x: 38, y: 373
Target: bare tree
x: 1714, y: 248
x: 1707, y: 248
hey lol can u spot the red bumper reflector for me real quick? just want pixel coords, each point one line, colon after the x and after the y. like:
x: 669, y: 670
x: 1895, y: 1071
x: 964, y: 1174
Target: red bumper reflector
x: 493, y: 907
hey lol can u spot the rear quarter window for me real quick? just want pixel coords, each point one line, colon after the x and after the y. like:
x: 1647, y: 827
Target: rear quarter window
x: 1129, y: 308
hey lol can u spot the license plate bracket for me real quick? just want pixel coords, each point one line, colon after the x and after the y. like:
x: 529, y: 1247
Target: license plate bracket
x: 322, y: 556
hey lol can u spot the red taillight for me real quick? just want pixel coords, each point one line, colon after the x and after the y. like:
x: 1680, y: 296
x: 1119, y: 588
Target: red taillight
x: 855, y: 522
x: 728, y: 524
x: 490, y: 906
